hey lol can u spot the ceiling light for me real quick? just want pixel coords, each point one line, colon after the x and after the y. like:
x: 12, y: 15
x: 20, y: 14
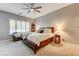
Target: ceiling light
x: 31, y: 9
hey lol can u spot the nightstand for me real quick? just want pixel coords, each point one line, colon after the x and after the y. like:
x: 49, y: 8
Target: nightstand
x: 57, y: 39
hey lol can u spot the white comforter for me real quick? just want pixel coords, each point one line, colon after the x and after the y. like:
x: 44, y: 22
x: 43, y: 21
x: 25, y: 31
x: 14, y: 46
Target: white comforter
x: 38, y: 37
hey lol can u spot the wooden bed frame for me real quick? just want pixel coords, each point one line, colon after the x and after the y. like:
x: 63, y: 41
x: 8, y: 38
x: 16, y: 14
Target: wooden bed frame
x: 34, y: 46
x: 30, y: 44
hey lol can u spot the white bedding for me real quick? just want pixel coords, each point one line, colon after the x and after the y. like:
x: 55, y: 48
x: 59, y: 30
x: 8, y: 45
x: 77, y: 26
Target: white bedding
x: 38, y: 37
x: 67, y: 49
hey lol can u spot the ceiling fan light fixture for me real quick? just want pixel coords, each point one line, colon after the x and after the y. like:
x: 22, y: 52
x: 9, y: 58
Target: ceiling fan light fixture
x: 32, y: 10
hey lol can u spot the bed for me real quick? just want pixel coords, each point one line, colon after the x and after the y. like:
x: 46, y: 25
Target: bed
x: 37, y: 40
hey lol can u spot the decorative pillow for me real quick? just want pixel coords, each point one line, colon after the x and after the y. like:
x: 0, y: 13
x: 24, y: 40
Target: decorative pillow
x: 41, y: 31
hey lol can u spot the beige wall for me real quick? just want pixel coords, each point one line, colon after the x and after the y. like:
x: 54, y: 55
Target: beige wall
x: 67, y: 19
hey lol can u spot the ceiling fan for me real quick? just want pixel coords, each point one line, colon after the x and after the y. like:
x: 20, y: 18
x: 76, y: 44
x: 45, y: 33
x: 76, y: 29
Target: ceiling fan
x: 31, y: 7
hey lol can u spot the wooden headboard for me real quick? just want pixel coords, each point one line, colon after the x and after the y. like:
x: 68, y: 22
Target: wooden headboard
x: 52, y: 28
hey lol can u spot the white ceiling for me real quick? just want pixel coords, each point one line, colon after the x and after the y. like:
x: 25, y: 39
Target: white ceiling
x: 16, y: 8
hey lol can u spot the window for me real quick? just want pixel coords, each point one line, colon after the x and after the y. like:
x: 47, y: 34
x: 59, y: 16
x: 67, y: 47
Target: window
x: 18, y: 26
x: 23, y: 26
x: 12, y: 26
x: 27, y: 27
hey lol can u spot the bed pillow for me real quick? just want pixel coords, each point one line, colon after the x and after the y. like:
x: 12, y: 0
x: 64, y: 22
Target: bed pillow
x: 47, y: 31
x: 40, y: 31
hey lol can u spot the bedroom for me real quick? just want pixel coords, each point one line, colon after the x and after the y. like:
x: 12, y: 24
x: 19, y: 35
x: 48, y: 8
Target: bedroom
x: 21, y: 21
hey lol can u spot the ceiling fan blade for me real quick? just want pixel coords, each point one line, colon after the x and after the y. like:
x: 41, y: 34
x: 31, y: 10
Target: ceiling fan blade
x: 37, y: 7
x: 29, y: 11
x: 37, y: 10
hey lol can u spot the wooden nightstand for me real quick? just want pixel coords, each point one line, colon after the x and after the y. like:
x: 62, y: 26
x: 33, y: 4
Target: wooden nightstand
x: 57, y: 39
